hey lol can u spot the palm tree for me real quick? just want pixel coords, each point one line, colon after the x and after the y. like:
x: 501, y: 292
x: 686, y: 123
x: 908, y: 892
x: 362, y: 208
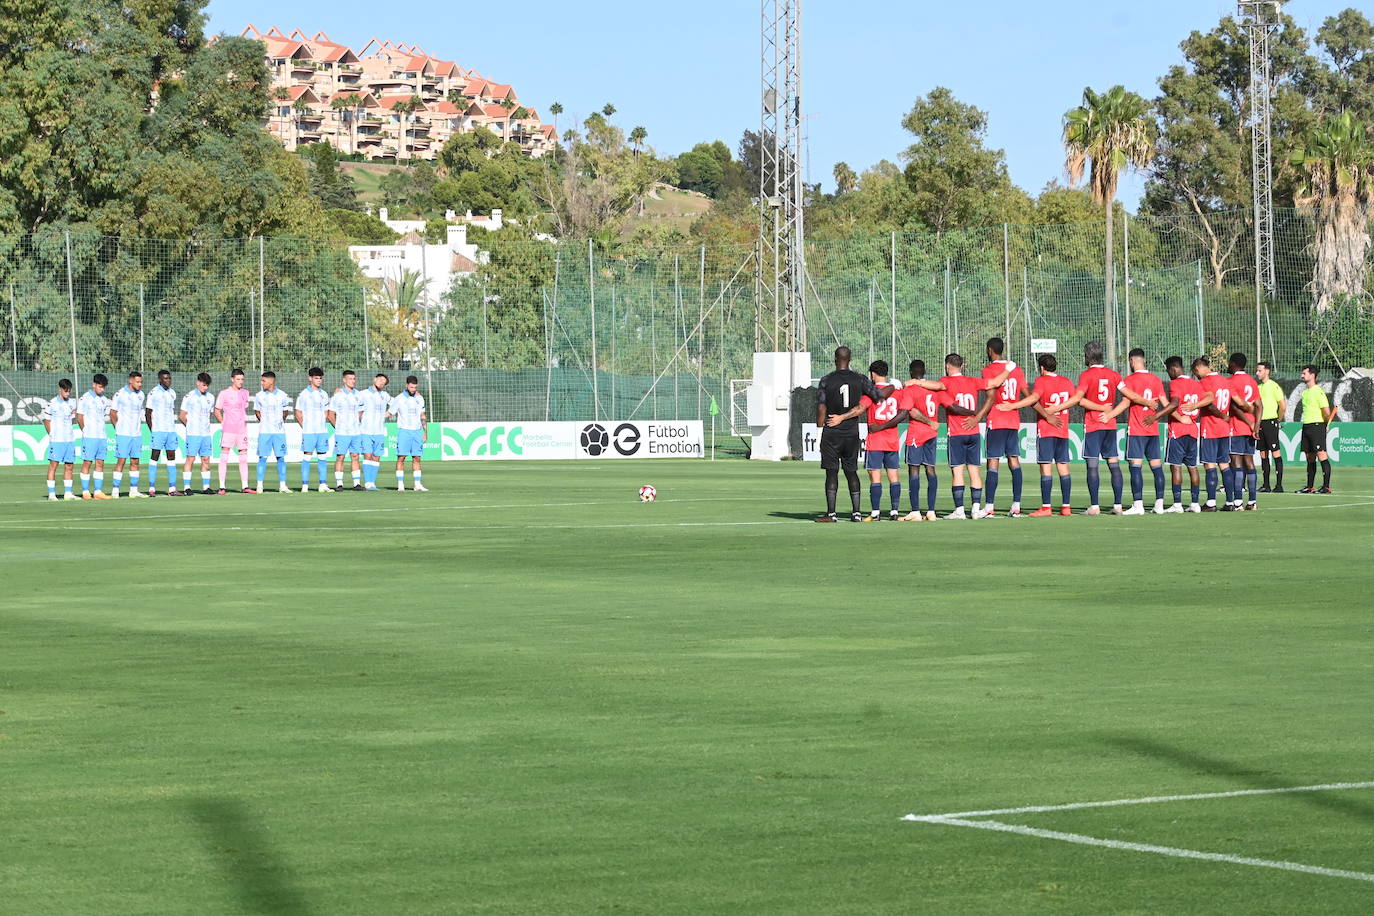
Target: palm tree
x: 608, y: 110
x: 339, y: 104
x: 845, y: 179
x: 300, y: 108
x: 637, y: 136
x: 1109, y: 133
x: 1337, y: 166
x: 359, y: 103
x: 406, y: 108
x: 555, y: 109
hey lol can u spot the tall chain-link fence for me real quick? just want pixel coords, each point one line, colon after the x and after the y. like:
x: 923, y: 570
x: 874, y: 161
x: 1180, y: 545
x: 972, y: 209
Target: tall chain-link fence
x: 576, y: 331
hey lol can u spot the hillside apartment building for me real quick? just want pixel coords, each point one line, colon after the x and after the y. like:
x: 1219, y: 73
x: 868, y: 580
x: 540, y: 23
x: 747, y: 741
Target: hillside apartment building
x: 389, y: 101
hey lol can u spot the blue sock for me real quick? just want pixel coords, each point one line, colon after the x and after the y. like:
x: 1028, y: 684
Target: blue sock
x: 894, y: 490
x: 1066, y: 488
x: 262, y: 470
x: 370, y: 469
x: 323, y: 470
x: 1016, y: 481
x: 281, y: 471
x: 1211, y: 485
x: 977, y: 495
x: 958, y: 493
x: 932, y: 491
x: 1094, y: 481
x: 52, y: 488
x: 875, y: 496
x: 1159, y: 482
x: 133, y: 481
x: 305, y: 473
x: 913, y: 487
x: 1046, y: 489
x: 1178, y: 492
x: 1196, y: 494
x: 152, y: 475
x: 1252, y: 482
x: 1114, y: 469
x: 991, y: 487
x: 1137, y: 482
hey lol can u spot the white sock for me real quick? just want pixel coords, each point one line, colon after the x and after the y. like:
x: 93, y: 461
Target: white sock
x: 417, y: 477
x: 400, y: 480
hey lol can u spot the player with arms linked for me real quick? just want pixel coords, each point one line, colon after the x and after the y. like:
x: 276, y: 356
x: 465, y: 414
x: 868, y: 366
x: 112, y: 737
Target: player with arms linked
x: 837, y: 416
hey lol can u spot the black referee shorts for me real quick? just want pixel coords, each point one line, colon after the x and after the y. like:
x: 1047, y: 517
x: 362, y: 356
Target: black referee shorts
x: 840, y: 450
x: 1269, y: 435
x: 1313, y: 437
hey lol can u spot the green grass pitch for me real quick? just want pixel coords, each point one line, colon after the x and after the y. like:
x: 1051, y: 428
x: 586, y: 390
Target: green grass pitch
x: 527, y: 692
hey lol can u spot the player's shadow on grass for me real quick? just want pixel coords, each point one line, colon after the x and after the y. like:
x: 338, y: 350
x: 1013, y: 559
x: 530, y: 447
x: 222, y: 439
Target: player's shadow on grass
x: 1246, y: 776
x: 259, y: 877
x: 796, y: 516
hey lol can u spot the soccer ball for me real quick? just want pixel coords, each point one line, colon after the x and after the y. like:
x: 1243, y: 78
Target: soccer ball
x: 647, y: 494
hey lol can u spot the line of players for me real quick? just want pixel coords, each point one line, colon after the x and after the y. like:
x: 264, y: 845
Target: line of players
x: 1212, y: 419
x: 358, y: 419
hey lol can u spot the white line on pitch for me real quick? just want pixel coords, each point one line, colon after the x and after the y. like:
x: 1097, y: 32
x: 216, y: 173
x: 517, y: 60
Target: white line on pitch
x: 412, y: 528
x: 1146, y: 847
x: 1149, y: 800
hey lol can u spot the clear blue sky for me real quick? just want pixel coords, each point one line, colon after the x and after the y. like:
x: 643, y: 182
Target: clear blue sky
x: 689, y: 71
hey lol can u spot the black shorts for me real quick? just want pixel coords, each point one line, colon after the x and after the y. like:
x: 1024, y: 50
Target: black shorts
x: 1313, y: 438
x: 1269, y: 435
x: 840, y: 450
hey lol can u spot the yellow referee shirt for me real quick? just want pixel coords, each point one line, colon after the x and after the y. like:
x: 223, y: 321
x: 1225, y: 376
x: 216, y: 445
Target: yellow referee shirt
x: 1272, y: 400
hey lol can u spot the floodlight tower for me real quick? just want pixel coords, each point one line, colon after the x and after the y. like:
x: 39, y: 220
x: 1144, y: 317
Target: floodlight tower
x: 781, y: 261
x: 1261, y: 21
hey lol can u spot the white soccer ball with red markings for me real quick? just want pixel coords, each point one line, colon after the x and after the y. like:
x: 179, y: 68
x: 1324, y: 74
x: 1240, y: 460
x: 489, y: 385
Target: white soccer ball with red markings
x: 647, y: 494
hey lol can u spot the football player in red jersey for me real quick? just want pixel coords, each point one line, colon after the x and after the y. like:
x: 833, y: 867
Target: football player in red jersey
x: 1145, y: 394
x: 922, y: 408
x: 1004, y: 428
x: 1184, y: 392
x: 1214, y: 409
x: 880, y: 449
x: 1096, y: 394
x: 1052, y: 440
x: 960, y: 399
x: 1245, y: 417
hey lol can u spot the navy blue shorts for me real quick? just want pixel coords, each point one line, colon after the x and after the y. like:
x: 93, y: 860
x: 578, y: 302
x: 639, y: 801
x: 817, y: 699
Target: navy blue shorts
x: 1142, y: 448
x: 1100, y: 443
x: 1215, y: 451
x: 964, y: 450
x: 921, y: 454
x: 1242, y: 445
x: 875, y: 460
x: 1004, y: 443
x: 1052, y: 449
x: 1182, y: 452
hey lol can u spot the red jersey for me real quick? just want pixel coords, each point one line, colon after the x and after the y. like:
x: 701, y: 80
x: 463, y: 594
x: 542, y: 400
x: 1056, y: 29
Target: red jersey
x: 1244, y: 388
x: 1220, y: 386
x: 878, y: 414
x: 1009, y: 392
x: 1098, y: 384
x: 917, y: 400
x: 1053, y: 390
x: 1183, y: 423
x: 962, y: 391
x: 1149, y: 387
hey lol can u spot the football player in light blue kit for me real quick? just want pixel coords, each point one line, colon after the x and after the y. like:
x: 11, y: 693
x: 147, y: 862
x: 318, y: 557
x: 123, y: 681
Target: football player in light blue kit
x: 58, y: 416
x: 375, y: 401
x: 126, y: 411
x: 92, y: 413
x: 408, y: 408
x: 344, y: 410
x: 161, y: 409
x: 312, y: 404
x: 196, y: 409
x: 271, y: 406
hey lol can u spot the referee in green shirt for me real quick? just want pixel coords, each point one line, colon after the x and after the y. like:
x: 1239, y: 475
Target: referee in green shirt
x: 1316, y: 414
x: 1272, y: 406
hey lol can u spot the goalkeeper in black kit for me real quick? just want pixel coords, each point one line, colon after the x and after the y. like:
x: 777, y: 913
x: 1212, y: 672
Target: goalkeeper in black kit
x: 838, y: 419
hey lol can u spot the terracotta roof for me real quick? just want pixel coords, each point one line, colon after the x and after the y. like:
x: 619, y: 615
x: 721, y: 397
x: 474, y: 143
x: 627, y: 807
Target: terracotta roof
x: 501, y: 91
x: 390, y: 100
x: 369, y: 100
x: 293, y: 93
x: 445, y: 107
x: 496, y: 112
x: 283, y: 47
x: 475, y: 88
x: 417, y: 63
x: 444, y: 67
x: 547, y: 130
x: 462, y: 264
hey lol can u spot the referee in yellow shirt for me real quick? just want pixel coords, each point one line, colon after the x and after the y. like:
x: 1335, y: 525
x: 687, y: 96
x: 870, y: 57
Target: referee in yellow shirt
x: 1272, y: 406
x: 1316, y: 415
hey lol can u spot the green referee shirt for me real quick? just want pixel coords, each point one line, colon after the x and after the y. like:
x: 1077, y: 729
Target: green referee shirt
x: 1314, y: 405
x: 1272, y: 400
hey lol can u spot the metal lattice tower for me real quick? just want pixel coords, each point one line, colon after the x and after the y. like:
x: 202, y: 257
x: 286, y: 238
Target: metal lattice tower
x: 781, y: 269
x: 1261, y: 20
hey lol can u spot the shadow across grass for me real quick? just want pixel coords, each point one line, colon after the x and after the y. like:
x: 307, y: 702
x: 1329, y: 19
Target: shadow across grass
x: 1249, y: 777
x: 258, y: 876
